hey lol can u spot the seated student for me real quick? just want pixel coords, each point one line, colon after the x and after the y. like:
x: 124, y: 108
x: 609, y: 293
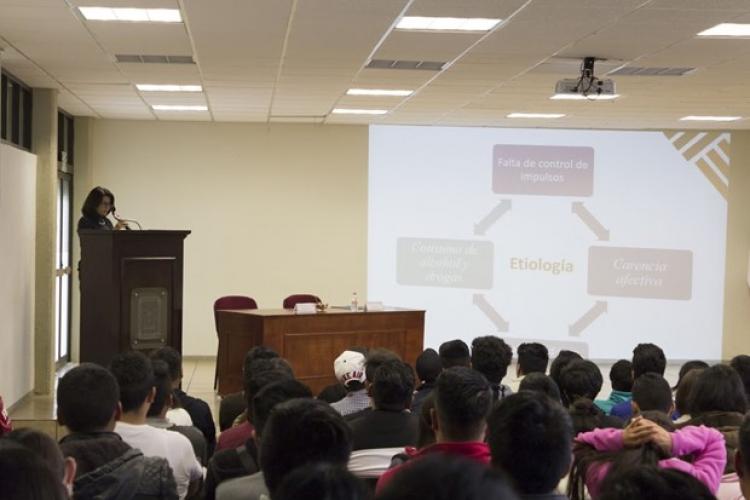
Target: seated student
x: 390, y: 424
x: 651, y: 392
x: 234, y: 405
x: 374, y: 358
x: 135, y: 376
x: 742, y: 457
x: 491, y: 357
x: 157, y: 412
x: 530, y: 438
x: 646, y: 358
x: 621, y: 377
x: 243, y: 460
x: 24, y: 475
x: 580, y: 382
x: 428, y: 368
x: 454, y: 353
x: 462, y: 401
x: 682, y: 396
x: 199, y: 411
x: 258, y: 374
x: 563, y: 359
x: 653, y: 482
x: 349, y: 368
x: 447, y: 477
x: 298, y: 432
x: 321, y: 481
x: 741, y: 365
x: 645, y: 443
x: 332, y: 393
x: 47, y: 449
x: 532, y: 358
x: 106, y: 467
x: 539, y: 382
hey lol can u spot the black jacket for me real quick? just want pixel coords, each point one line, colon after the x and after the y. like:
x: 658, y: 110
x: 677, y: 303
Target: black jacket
x: 384, y: 429
x: 228, y: 464
x: 200, y: 413
x: 109, y: 469
x: 94, y: 223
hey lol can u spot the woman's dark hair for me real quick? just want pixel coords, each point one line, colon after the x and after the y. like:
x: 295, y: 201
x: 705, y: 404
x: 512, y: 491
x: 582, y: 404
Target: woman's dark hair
x: 686, y: 368
x: 563, y: 359
x: 322, y: 481
x: 653, y: 482
x: 94, y: 199
x: 586, y: 416
x: 25, y: 476
x: 684, y: 388
x: 718, y: 388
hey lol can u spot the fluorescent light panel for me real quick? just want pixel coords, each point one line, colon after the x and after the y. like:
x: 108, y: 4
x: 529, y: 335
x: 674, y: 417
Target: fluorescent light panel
x: 178, y: 107
x: 581, y: 97
x: 347, y: 111
x: 149, y: 87
x: 380, y: 92
x: 696, y: 118
x: 727, y: 30
x: 446, y: 23
x: 131, y: 14
x: 535, y: 115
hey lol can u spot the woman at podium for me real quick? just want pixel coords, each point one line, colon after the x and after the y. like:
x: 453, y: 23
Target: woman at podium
x: 99, y: 203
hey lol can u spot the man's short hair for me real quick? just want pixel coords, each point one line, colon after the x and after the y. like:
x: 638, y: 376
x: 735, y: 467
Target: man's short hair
x: 530, y: 438
x: 25, y: 475
x: 393, y: 386
x: 462, y: 401
x: 273, y: 394
x: 299, y: 432
x: 87, y: 398
x: 533, y: 357
x: 454, y: 353
x: 172, y: 358
x: 651, y: 391
x: 256, y: 353
x: 42, y: 445
x: 163, y: 384
x: 322, y: 482
x: 741, y: 365
x: 621, y: 376
x: 428, y: 365
x: 135, y: 377
x: 491, y: 357
x: 541, y: 383
x: 261, y: 373
x: 718, y: 389
x: 375, y: 358
x: 648, y: 358
x: 581, y: 379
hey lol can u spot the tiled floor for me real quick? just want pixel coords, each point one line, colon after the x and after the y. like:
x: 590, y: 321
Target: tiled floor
x: 198, y: 381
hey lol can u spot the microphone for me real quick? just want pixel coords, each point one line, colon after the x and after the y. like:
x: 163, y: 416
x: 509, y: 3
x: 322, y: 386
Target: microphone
x: 125, y: 221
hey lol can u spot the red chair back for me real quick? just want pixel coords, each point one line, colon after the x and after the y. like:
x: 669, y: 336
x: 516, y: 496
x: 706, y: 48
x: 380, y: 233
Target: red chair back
x: 299, y: 298
x: 234, y: 302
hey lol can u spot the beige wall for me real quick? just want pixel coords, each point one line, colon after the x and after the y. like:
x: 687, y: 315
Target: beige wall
x: 274, y: 210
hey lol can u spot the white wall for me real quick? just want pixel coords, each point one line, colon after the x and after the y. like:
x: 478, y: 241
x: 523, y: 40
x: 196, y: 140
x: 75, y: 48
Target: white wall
x: 274, y: 210
x: 17, y: 243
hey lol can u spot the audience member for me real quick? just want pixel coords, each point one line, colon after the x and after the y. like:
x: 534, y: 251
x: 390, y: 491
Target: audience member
x: 447, y: 477
x: 199, y: 411
x: 563, y: 359
x: 741, y: 364
x: 332, y: 393
x: 682, y: 395
x: 580, y: 383
x: 454, y: 353
x: 243, y: 460
x: 644, y: 443
x: 647, y: 358
x: 653, y: 482
x: 374, y: 358
x: 530, y: 438
x: 135, y: 377
x: 651, y: 392
x: 106, y: 467
x: 390, y: 424
x: 428, y: 368
x: 349, y: 368
x: 25, y: 476
x: 321, y: 481
x: 742, y: 457
x: 462, y: 401
x: 621, y: 378
x: 686, y: 368
x: 532, y: 358
x: 539, y: 382
x: 47, y: 449
x: 491, y: 357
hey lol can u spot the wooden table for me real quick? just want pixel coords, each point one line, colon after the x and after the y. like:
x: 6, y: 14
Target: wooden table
x: 310, y: 342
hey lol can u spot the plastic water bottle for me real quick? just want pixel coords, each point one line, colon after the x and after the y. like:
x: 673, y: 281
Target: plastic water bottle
x: 355, y: 302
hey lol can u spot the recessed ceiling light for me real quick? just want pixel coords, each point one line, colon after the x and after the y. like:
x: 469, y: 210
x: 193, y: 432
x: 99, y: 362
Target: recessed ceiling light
x: 131, y: 15
x: 446, y: 23
x: 535, y: 115
x: 178, y: 107
x: 727, y: 30
x: 581, y: 97
x: 695, y: 118
x: 347, y: 111
x: 149, y: 87
x: 380, y: 92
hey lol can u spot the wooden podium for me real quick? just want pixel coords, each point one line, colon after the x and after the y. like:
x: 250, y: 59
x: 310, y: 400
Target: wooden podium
x: 310, y: 342
x: 131, y: 292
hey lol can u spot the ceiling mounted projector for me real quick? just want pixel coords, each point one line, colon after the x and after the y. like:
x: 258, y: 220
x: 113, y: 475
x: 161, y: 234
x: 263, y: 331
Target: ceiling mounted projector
x: 587, y: 86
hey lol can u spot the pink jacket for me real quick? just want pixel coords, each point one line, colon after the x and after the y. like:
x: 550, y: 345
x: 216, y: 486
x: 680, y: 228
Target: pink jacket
x: 705, y: 444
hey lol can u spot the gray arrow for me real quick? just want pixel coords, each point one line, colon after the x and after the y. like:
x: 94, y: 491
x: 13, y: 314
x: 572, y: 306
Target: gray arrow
x: 579, y: 326
x: 489, y: 311
x: 601, y: 232
x: 483, y: 225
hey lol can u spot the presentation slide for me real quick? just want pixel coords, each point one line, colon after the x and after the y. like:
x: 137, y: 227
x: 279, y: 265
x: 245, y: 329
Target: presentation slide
x: 587, y: 240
